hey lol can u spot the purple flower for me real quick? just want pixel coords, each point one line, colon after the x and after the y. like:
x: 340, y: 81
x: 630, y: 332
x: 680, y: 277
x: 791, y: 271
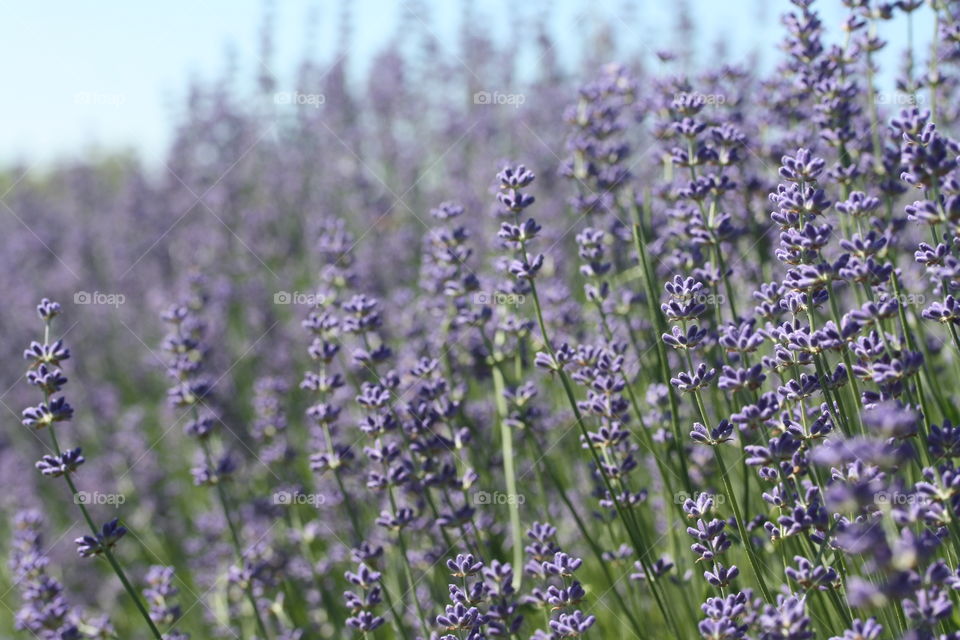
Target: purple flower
x: 110, y: 533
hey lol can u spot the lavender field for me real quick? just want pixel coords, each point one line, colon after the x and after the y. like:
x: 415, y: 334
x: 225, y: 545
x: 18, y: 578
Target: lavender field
x: 480, y: 343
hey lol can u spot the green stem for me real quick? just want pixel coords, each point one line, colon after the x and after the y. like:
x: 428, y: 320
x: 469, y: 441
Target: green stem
x: 407, y: 571
x: 741, y: 527
x: 506, y: 436
x: 234, y: 537
x: 659, y: 323
x: 629, y: 523
x: 117, y: 569
x: 584, y: 531
x: 107, y: 553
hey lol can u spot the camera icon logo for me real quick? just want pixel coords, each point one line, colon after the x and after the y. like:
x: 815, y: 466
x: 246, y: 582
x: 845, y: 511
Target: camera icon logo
x: 482, y: 97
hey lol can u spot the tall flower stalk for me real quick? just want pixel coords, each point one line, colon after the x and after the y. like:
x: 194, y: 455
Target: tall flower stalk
x: 187, y: 350
x: 45, y: 373
x: 525, y: 268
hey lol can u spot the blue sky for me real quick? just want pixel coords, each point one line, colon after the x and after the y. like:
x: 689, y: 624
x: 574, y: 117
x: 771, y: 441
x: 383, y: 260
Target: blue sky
x: 110, y: 74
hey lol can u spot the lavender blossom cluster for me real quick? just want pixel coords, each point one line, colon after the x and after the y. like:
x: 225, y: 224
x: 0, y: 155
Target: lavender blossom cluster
x: 674, y: 360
